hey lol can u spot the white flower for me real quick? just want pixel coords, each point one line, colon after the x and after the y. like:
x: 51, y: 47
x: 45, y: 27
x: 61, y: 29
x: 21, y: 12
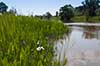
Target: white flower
x: 39, y: 48
x: 42, y: 48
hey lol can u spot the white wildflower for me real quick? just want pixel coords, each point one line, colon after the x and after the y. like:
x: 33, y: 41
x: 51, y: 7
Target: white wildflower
x: 42, y: 48
x: 39, y: 48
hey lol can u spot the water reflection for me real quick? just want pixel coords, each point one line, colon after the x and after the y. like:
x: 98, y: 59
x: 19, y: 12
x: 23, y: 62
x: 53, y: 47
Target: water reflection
x: 91, y: 32
x: 82, y: 48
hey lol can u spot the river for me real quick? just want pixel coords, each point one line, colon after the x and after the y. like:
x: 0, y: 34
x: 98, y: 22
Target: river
x: 81, y: 47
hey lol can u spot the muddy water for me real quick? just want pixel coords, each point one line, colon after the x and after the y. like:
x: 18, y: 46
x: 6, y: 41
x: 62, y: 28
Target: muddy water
x: 81, y: 47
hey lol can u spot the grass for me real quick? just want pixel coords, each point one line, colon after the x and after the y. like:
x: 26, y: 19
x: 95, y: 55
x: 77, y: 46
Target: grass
x: 78, y: 19
x: 28, y: 41
x: 95, y: 19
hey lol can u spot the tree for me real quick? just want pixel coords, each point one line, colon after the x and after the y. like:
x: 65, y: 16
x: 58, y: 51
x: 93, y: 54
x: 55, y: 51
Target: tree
x: 90, y: 7
x: 13, y: 11
x: 3, y: 7
x: 57, y: 14
x: 79, y: 11
x: 48, y: 15
x: 66, y: 13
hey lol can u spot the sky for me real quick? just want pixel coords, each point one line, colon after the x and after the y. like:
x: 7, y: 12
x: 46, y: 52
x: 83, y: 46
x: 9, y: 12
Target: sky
x: 39, y: 7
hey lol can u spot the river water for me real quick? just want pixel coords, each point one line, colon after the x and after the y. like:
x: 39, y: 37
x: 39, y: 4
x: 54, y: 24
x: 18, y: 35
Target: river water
x: 81, y: 47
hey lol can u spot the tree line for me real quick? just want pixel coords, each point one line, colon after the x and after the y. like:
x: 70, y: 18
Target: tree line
x: 89, y: 8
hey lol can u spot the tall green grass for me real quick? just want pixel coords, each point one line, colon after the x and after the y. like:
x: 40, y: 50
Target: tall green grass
x: 21, y: 39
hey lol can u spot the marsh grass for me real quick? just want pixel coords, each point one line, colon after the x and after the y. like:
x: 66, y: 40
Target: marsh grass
x: 19, y: 36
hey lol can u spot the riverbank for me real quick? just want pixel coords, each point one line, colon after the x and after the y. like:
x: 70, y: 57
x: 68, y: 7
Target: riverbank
x: 28, y: 41
x: 95, y: 19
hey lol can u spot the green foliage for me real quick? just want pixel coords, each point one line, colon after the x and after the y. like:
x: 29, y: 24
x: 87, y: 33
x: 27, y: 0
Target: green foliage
x: 3, y: 7
x: 90, y: 7
x: 66, y: 13
x: 13, y: 11
x: 79, y: 11
x: 79, y: 19
x: 95, y: 19
x: 48, y: 15
x: 83, y: 19
x: 27, y: 41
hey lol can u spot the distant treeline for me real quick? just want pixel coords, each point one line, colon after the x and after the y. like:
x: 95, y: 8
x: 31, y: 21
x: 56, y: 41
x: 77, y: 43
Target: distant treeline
x: 89, y: 9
